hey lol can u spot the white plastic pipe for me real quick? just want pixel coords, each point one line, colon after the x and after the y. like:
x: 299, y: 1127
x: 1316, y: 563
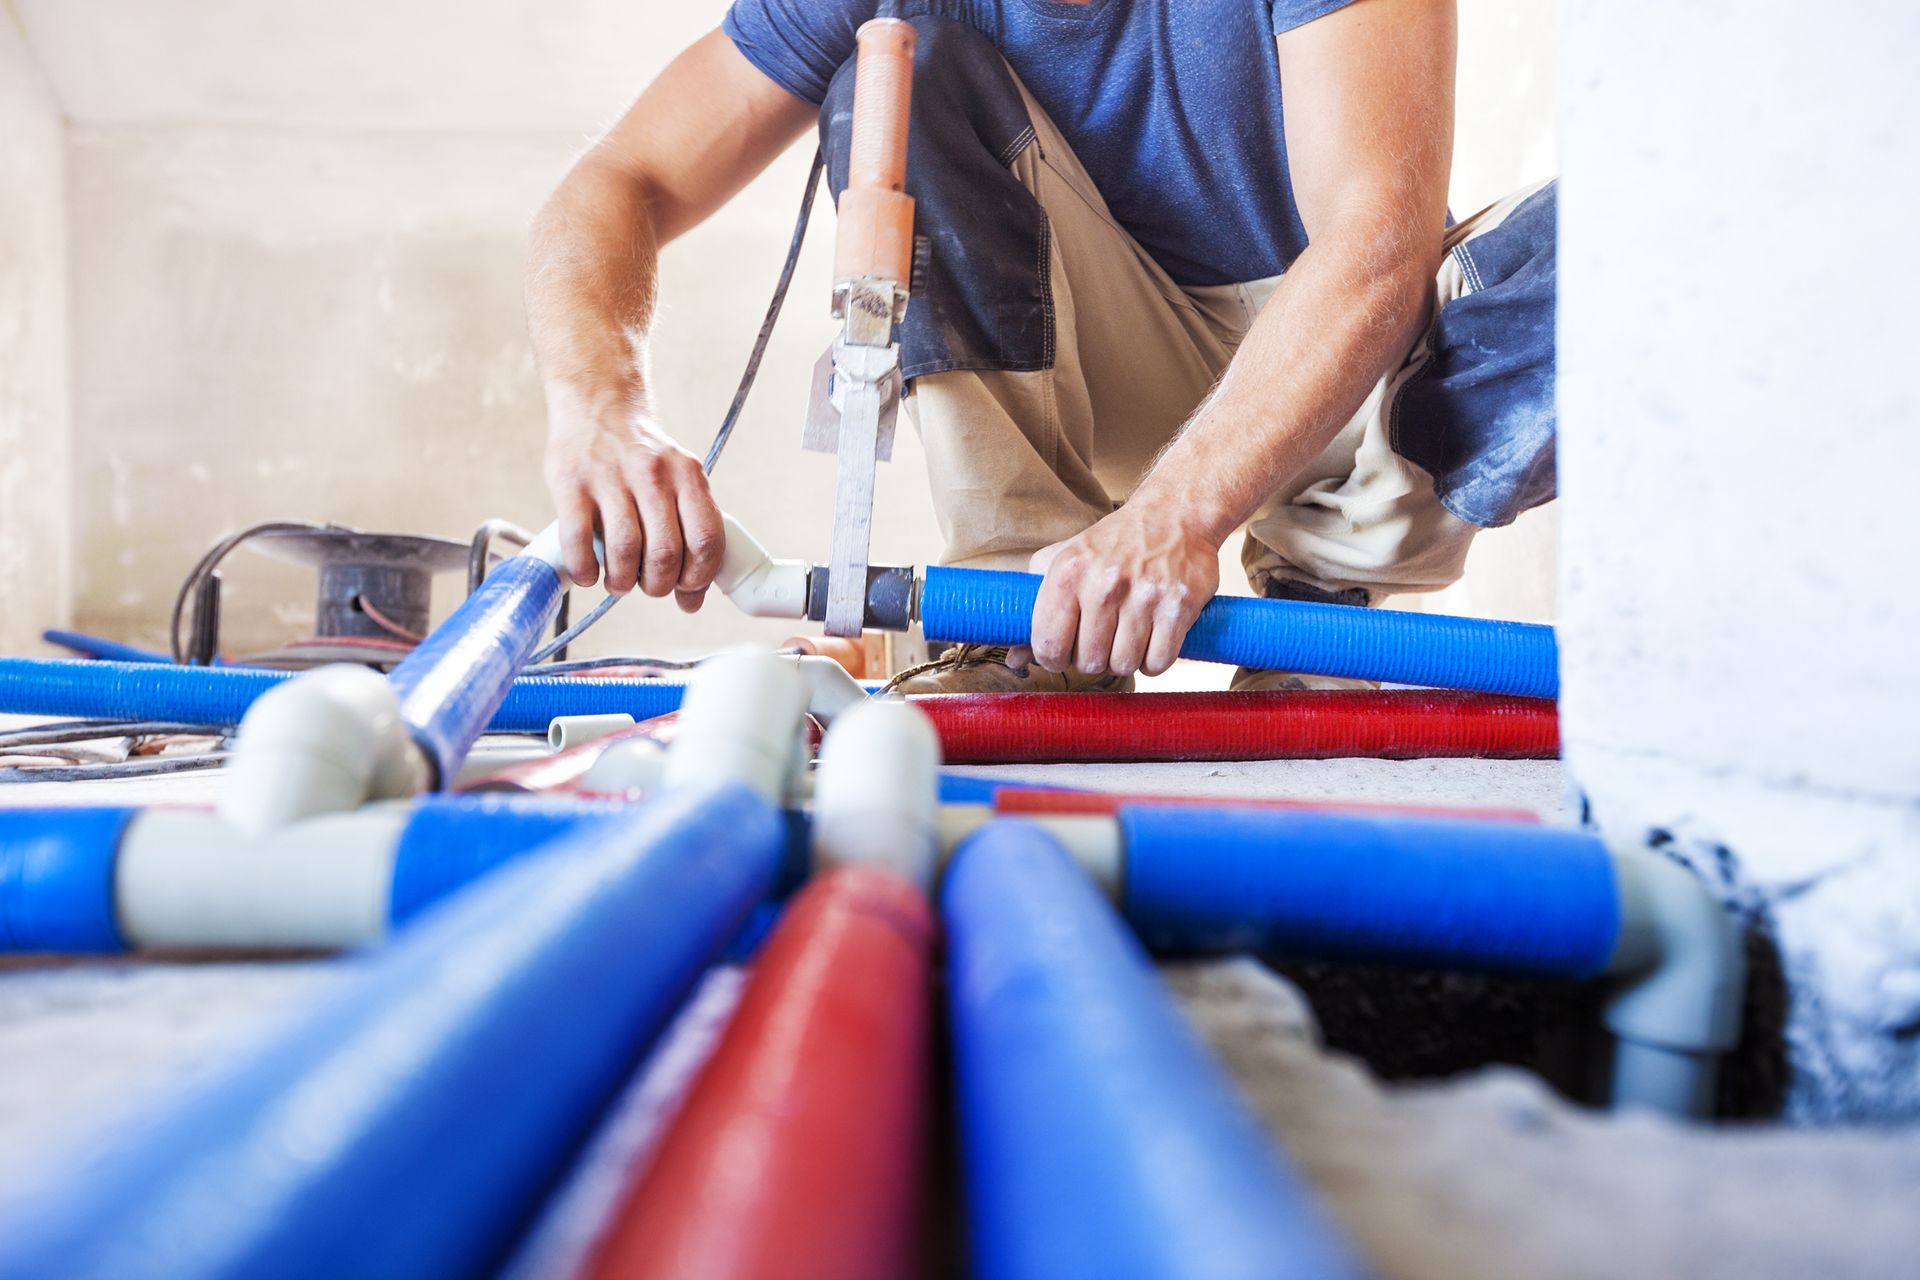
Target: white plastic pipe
x: 877, y: 791
x: 564, y: 732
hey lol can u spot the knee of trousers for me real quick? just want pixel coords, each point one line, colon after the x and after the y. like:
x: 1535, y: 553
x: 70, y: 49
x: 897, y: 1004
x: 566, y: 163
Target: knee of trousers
x: 982, y: 293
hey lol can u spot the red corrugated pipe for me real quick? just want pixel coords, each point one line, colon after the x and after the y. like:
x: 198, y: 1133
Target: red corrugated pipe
x: 1009, y: 728
x: 800, y: 1150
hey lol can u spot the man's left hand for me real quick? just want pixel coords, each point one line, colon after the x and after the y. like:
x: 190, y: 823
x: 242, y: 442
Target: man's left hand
x: 1120, y: 597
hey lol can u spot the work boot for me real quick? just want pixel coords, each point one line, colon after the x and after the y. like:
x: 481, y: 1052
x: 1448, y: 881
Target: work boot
x: 982, y: 668
x: 1249, y: 680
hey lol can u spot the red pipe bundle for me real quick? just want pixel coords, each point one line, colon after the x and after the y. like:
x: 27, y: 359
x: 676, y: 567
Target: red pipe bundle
x: 1033, y: 728
x: 799, y: 1151
x: 1036, y: 800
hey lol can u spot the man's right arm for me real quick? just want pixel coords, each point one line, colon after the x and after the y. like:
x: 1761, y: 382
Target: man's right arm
x: 695, y: 137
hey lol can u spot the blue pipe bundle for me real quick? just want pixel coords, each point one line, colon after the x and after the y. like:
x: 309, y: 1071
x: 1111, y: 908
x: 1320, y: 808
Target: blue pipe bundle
x: 1436, y: 892
x: 990, y: 606
x: 412, y: 1125
x: 1099, y: 1138
x: 221, y: 695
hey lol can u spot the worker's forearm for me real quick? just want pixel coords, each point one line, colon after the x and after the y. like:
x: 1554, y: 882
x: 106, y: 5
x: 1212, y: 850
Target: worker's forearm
x: 590, y: 291
x: 1346, y: 312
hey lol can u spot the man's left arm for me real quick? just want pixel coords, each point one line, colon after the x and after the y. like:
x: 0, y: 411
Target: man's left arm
x: 1369, y: 133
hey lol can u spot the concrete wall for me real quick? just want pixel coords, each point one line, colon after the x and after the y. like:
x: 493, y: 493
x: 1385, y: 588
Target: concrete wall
x: 34, y: 508
x: 1740, y: 452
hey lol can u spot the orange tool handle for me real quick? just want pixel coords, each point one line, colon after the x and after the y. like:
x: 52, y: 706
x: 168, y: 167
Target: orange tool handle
x: 875, y: 234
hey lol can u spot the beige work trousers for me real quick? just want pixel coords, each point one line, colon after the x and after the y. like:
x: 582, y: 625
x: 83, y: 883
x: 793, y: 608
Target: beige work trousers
x: 1020, y: 460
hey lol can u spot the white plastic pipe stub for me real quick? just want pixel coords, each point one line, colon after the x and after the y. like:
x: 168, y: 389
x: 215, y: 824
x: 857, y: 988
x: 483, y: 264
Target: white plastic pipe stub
x: 564, y: 732
x: 876, y: 792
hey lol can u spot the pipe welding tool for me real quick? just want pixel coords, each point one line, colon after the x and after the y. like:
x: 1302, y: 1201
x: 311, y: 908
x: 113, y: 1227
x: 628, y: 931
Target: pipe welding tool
x: 857, y: 386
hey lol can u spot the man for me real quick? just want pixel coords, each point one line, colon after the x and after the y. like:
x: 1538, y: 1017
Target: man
x: 1190, y: 269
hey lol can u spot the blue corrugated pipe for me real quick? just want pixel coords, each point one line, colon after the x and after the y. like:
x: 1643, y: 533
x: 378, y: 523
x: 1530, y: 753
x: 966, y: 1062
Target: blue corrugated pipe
x: 1099, y: 1138
x: 412, y: 1125
x: 1435, y: 892
x: 988, y: 606
x: 221, y: 695
x: 454, y: 680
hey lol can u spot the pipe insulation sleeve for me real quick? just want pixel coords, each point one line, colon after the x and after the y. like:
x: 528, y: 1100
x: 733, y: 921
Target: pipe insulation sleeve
x: 1006, y: 728
x: 1099, y: 1138
x: 992, y: 606
x: 56, y: 879
x: 452, y: 683
x: 1036, y: 802
x: 452, y: 841
x: 1335, y: 886
x: 412, y: 1124
x: 221, y: 695
x: 801, y: 1150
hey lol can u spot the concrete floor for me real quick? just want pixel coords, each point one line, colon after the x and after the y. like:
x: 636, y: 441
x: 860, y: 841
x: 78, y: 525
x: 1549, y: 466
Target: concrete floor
x: 1481, y: 1177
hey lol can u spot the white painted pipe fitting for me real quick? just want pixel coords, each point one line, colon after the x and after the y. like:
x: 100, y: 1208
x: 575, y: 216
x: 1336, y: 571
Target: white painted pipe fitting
x: 189, y: 879
x: 740, y: 721
x: 326, y: 741
x: 546, y: 548
x: 1678, y: 979
x: 831, y: 690
x: 759, y: 585
x: 1092, y: 840
x: 634, y: 764
x: 564, y: 732
x: 877, y: 790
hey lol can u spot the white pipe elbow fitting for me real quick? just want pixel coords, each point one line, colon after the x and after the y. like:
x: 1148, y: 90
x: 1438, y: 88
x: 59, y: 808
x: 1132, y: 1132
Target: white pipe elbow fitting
x: 759, y: 585
x: 632, y: 764
x: 876, y: 794
x: 1678, y: 980
x: 740, y: 722
x: 326, y: 741
x: 831, y: 690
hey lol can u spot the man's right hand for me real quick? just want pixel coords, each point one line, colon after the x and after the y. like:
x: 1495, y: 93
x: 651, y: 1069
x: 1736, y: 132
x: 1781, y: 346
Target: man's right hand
x: 618, y: 475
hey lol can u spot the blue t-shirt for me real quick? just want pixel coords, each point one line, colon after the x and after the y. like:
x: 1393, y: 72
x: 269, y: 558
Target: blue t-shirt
x: 1173, y: 106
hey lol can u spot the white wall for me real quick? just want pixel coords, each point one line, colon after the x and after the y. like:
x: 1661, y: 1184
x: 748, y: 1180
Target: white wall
x: 34, y: 511
x: 1740, y: 455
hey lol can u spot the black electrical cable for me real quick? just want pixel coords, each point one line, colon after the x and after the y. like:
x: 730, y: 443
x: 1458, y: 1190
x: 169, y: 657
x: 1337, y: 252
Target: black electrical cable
x: 760, y: 341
